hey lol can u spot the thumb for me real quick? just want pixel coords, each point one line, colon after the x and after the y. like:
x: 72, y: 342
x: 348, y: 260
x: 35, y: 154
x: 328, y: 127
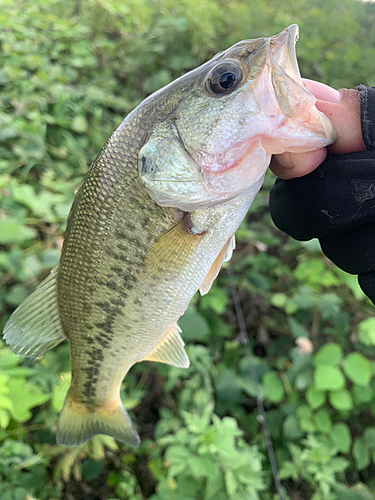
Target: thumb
x: 344, y: 110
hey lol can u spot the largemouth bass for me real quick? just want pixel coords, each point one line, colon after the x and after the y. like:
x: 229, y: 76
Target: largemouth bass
x: 155, y: 217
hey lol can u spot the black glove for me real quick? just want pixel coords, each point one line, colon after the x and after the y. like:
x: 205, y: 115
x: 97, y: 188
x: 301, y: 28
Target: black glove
x: 336, y: 203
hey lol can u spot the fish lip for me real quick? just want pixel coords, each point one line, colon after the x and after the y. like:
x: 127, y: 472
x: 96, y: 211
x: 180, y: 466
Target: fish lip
x: 285, y: 46
x: 293, y: 36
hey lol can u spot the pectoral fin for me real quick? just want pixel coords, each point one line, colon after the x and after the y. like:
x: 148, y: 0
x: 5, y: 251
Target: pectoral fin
x: 170, y: 349
x: 231, y: 247
x: 170, y: 253
x: 35, y: 325
x: 223, y: 256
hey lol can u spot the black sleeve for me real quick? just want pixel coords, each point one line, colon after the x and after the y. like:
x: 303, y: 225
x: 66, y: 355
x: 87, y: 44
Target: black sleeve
x: 336, y: 203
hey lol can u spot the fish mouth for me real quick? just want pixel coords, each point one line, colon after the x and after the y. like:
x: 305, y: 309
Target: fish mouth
x: 281, y: 51
x: 288, y: 61
x: 270, y: 113
x: 293, y: 36
x: 283, y: 71
x: 286, y: 118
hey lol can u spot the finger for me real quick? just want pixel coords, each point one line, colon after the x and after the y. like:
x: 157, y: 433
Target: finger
x: 345, y: 117
x: 321, y: 91
x: 343, y: 109
x: 290, y: 165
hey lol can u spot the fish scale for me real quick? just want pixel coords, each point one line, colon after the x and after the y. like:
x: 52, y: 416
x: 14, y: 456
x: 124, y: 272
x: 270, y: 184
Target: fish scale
x: 99, y: 282
x: 155, y: 217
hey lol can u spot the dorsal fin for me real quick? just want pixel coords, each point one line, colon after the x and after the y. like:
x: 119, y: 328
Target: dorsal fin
x: 35, y: 325
x: 170, y: 349
x: 223, y: 256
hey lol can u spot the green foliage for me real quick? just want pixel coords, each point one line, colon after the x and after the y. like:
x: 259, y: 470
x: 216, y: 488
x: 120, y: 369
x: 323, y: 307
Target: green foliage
x: 207, y: 458
x: 17, y: 395
x: 22, y: 472
x: 316, y: 463
x: 69, y: 73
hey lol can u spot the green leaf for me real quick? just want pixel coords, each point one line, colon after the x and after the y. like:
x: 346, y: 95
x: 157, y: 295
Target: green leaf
x: 369, y: 437
x: 339, y: 464
x: 288, y: 469
x: 8, y: 133
x: 323, y: 421
x: 4, y: 417
x: 279, y: 300
x: 361, y: 454
x: 91, y: 469
x: 16, y: 295
x: 328, y: 378
x: 303, y: 412
x: 303, y: 380
x: 12, y: 231
x: 177, y: 453
x: 366, y: 332
x: 341, y: 400
x: 329, y: 354
x: 361, y: 394
x: 358, y: 491
x: 230, y: 482
x: 274, y: 388
x: 227, y: 387
x: 291, y: 428
x: 24, y: 397
x: 357, y: 368
x: 6, y: 403
x: 341, y: 436
x: 59, y: 391
x: 193, y: 325
x: 79, y: 124
x: 216, y: 299
x: 201, y: 466
x: 305, y: 420
x: 315, y: 398
x: 214, y: 486
x: 8, y: 359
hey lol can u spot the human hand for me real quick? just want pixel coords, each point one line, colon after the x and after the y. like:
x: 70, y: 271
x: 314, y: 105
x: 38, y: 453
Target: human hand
x: 334, y: 201
x: 343, y: 109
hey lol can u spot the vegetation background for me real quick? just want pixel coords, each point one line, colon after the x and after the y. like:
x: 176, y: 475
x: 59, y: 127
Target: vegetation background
x: 70, y: 71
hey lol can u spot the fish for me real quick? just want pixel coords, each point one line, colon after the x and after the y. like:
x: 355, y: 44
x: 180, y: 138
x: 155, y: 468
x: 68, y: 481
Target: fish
x: 154, y: 219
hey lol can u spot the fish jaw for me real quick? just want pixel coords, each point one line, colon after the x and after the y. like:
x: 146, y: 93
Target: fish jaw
x: 215, y: 147
x: 278, y: 115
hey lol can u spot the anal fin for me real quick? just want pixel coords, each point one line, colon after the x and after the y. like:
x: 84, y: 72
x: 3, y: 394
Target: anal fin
x: 35, y: 326
x: 170, y: 349
x: 223, y: 256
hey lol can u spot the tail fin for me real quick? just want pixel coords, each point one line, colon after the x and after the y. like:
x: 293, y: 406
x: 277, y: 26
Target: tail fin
x: 78, y: 424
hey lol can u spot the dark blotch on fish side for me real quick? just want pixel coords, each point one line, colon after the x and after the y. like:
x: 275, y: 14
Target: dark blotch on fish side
x: 117, y: 270
x: 94, y: 359
x: 117, y: 302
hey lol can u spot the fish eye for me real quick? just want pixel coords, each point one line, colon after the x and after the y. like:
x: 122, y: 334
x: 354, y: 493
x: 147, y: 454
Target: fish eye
x: 225, y: 78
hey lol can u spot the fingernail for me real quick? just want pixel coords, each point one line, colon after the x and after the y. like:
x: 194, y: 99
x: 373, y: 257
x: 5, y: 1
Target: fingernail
x: 321, y: 91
